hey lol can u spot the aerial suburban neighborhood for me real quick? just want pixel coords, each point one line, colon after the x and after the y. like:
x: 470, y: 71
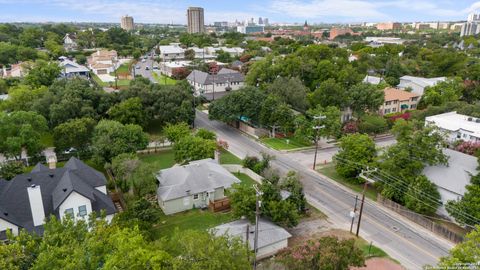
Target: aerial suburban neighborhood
x: 256, y: 135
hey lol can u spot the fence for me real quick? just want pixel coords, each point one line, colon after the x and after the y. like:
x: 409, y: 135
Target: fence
x: 233, y: 168
x: 219, y: 205
x: 436, y: 228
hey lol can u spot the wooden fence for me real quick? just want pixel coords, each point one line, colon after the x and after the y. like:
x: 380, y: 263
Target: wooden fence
x: 219, y: 205
x: 436, y: 228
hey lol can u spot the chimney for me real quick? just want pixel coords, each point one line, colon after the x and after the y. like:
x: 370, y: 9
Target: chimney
x: 52, y: 161
x: 36, y: 204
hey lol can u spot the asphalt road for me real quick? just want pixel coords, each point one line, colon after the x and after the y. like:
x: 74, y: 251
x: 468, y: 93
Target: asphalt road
x: 410, y: 244
x: 142, y: 71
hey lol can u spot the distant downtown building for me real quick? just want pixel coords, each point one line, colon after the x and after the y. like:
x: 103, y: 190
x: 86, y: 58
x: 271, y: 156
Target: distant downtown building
x: 389, y: 26
x: 127, y: 23
x: 195, y: 18
x: 472, y: 26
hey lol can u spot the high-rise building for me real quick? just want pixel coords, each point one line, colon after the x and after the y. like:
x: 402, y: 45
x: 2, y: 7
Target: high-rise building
x: 472, y: 26
x: 265, y: 21
x: 389, y: 26
x: 195, y: 18
x: 260, y: 20
x: 473, y: 17
x: 127, y: 23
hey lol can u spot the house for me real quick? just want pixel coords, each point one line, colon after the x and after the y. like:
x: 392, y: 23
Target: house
x: 271, y: 238
x: 195, y: 185
x: 397, y: 100
x: 72, y: 69
x: 169, y: 68
x: 451, y: 180
x: 225, y: 80
x: 233, y: 51
x: 15, y: 71
x: 237, y: 65
x: 418, y: 84
x: 103, y: 61
x: 456, y: 126
x: 372, y: 79
x: 172, y: 52
x: 70, y: 42
x: 76, y: 189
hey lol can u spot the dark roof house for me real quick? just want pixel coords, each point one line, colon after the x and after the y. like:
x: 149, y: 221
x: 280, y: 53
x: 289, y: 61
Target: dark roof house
x: 76, y: 189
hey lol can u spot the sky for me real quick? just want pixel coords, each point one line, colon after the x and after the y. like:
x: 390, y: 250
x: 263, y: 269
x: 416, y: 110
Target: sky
x: 283, y: 11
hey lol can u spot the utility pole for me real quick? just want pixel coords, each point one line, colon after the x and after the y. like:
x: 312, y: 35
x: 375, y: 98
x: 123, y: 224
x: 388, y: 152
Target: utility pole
x: 317, y: 128
x: 353, y: 213
x: 367, y: 180
x: 258, y: 193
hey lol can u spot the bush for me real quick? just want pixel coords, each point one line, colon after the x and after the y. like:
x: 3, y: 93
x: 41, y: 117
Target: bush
x: 372, y: 124
x: 9, y: 170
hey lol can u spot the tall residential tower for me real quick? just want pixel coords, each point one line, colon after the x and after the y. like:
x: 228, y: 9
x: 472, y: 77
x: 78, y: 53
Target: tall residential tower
x: 195, y: 18
x: 127, y: 23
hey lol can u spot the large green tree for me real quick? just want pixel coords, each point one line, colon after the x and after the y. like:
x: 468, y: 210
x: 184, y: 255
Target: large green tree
x: 319, y: 122
x: 42, y: 73
x: 129, y: 111
x: 111, y: 138
x: 329, y: 93
x: 291, y: 91
x: 276, y: 114
x: 356, y: 152
x: 365, y: 97
x: 191, y: 148
x: 464, y: 254
x: 76, y: 133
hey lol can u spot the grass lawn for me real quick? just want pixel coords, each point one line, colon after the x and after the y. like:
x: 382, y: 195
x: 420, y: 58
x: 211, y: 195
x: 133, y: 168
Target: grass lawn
x: 228, y: 158
x: 120, y: 83
x: 123, y: 68
x: 162, y: 79
x: 329, y: 170
x: 246, y: 180
x: 47, y: 140
x: 161, y: 160
x: 195, y: 219
x: 370, y: 251
x: 281, y: 143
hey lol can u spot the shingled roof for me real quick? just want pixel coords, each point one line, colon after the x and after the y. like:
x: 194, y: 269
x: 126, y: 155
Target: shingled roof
x: 56, y: 185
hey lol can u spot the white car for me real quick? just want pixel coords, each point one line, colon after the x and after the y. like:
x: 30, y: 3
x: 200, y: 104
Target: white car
x: 143, y: 60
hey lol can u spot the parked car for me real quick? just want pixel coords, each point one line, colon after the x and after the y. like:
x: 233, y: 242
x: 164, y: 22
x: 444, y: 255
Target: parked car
x: 143, y: 60
x: 137, y: 67
x: 155, y: 67
x: 147, y: 68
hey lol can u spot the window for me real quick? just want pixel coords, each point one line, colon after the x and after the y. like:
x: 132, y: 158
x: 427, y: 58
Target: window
x: 69, y: 211
x: 395, y: 101
x: 387, y: 111
x: 464, y: 135
x: 414, y: 98
x: 195, y: 196
x: 388, y: 103
x: 413, y: 106
x: 394, y: 109
x: 82, y: 210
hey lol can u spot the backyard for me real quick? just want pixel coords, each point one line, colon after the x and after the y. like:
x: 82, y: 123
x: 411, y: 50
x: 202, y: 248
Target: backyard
x: 120, y: 83
x: 162, y: 79
x: 285, y: 143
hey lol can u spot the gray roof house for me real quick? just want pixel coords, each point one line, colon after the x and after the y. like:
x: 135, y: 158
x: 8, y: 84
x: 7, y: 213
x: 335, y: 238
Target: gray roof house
x: 452, y: 179
x: 194, y: 185
x: 418, y: 84
x: 73, y: 69
x: 208, y: 84
x: 271, y: 238
x: 75, y: 189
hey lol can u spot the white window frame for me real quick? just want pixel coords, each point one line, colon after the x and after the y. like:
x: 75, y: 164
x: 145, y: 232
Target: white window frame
x: 69, y: 211
x: 81, y: 211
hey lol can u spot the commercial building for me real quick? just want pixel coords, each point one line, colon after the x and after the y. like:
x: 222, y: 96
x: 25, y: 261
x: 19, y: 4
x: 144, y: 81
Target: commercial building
x: 250, y: 29
x: 397, y: 100
x: 385, y: 40
x: 389, y: 26
x: 472, y: 26
x: 127, y: 23
x: 456, y: 126
x: 195, y: 20
x: 335, y: 32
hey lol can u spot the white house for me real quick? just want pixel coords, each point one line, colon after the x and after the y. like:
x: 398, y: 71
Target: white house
x: 271, y: 238
x: 451, y: 180
x: 171, y: 52
x: 103, y: 61
x: 195, y: 185
x: 76, y: 190
x: 225, y: 80
x: 72, y: 69
x: 456, y: 126
x: 70, y: 42
x: 418, y: 84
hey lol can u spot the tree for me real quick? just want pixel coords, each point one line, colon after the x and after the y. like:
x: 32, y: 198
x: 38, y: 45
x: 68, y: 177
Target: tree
x: 143, y: 180
x: 8, y: 170
x: 76, y: 133
x: 330, y: 124
x: 242, y: 200
x: 356, y: 151
x: 111, y: 138
x: 21, y: 130
x: 224, y: 57
x: 175, y: 132
x: 42, y: 73
x: 292, y: 184
x: 323, y: 253
x: 190, y: 54
x: 191, y: 148
x: 365, y: 97
x: 417, y: 193
x: 465, y: 253
x: 206, y: 134
x: 291, y: 91
x: 372, y: 124
x: 129, y: 111
x: 276, y: 114
x: 467, y: 209
x: 329, y: 93
x: 442, y: 93
x: 22, y: 98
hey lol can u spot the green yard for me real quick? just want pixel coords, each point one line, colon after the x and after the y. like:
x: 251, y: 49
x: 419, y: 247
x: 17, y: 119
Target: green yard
x: 161, y: 160
x: 246, y: 180
x: 195, y: 219
x: 285, y: 143
x: 228, y: 158
x: 120, y: 83
x: 329, y: 170
x: 370, y: 251
x: 123, y: 68
x: 162, y: 79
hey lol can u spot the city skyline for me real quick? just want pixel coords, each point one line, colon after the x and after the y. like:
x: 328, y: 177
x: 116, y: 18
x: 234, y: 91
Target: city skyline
x: 281, y: 11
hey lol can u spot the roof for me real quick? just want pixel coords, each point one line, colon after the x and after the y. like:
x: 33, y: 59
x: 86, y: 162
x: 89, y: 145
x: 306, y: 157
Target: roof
x: 196, y: 177
x: 168, y: 49
x: 55, y: 186
x: 456, y: 175
x: 204, y: 78
x: 269, y: 233
x: 397, y: 94
x: 72, y: 67
x: 372, y: 79
x: 406, y: 81
x: 453, y: 121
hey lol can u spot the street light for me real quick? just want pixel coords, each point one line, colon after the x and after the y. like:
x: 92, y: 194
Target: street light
x: 317, y: 128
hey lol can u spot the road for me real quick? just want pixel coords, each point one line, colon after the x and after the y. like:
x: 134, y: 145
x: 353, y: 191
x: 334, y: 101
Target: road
x: 142, y: 71
x: 410, y: 244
